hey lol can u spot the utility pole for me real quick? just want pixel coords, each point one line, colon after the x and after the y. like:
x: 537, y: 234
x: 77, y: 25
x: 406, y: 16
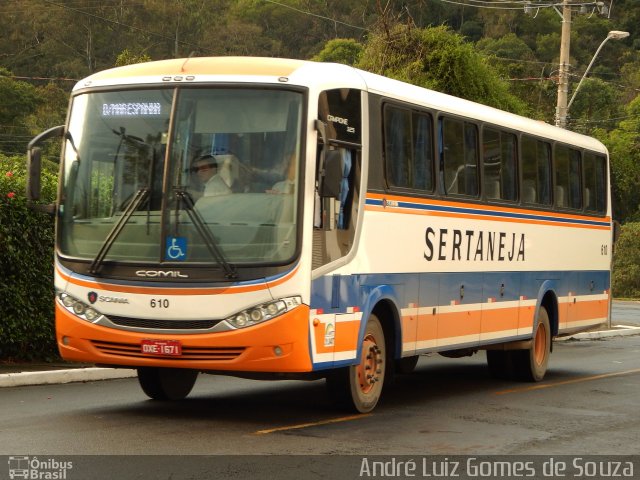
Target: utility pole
x: 563, y: 81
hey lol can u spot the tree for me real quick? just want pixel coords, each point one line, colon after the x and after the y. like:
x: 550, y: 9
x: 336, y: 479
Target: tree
x: 517, y: 63
x: 624, y: 148
x: 340, y: 50
x: 19, y: 100
x: 439, y: 59
x: 127, y: 57
x: 595, y: 103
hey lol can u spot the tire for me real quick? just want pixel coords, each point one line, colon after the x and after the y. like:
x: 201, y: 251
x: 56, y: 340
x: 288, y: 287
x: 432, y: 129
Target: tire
x: 406, y: 364
x: 500, y: 364
x: 531, y: 364
x: 166, y: 383
x: 358, y: 387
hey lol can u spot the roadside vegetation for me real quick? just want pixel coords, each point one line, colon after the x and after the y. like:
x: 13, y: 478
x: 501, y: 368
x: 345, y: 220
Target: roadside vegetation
x: 502, y: 58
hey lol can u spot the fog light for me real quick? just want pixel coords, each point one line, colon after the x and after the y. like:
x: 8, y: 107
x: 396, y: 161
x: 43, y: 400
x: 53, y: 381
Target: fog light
x: 66, y: 340
x: 277, y: 351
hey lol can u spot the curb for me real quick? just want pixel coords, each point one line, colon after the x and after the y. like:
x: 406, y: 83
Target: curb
x: 52, y: 377
x: 614, y: 331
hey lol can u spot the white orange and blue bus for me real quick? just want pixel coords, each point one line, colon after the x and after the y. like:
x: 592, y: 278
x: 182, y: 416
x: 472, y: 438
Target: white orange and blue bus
x: 356, y: 223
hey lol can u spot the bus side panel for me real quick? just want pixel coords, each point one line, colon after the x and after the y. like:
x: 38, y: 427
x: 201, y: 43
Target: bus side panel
x: 340, y: 306
x: 501, y: 310
x: 460, y: 310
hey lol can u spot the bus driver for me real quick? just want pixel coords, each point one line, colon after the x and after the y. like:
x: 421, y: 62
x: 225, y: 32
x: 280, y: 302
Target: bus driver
x: 218, y: 174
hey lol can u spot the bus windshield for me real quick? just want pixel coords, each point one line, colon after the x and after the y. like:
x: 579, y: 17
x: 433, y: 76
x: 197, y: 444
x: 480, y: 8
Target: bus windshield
x: 193, y: 175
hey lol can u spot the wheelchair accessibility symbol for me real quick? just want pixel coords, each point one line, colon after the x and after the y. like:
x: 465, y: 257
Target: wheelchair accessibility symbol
x: 176, y: 249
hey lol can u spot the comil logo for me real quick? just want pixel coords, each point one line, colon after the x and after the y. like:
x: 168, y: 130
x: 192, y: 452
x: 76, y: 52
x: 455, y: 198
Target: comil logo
x: 40, y: 469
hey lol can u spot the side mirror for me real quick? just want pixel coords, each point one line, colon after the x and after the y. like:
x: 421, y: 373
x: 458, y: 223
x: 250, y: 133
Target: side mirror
x: 331, y: 176
x: 34, y: 170
x: 34, y: 167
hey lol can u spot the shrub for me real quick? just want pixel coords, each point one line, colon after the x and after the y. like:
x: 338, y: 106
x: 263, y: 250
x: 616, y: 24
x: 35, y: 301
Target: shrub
x: 626, y: 263
x: 26, y: 267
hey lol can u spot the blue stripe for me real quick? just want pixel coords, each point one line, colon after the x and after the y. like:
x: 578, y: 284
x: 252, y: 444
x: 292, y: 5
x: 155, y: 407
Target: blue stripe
x: 491, y: 213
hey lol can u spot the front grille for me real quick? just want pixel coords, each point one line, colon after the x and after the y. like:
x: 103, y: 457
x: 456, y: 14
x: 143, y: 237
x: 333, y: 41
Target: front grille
x: 164, y: 324
x: 134, y: 350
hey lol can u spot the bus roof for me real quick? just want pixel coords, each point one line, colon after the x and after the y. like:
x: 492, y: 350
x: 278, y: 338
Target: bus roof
x: 255, y: 66
x: 308, y: 72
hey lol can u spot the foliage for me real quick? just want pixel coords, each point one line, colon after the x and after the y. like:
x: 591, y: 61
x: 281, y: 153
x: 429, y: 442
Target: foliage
x: 624, y: 148
x: 19, y: 100
x: 596, y: 102
x: 626, y: 263
x: 340, y: 50
x: 502, y: 58
x: 439, y: 59
x: 26, y: 263
x: 127, y: 57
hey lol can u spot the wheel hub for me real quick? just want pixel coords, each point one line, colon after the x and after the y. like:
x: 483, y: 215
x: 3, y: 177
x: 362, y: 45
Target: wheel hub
x: 370, y: 366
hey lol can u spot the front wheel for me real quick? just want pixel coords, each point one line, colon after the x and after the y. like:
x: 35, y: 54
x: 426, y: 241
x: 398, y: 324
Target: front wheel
x: 358, y: 387
x: 166, y: 383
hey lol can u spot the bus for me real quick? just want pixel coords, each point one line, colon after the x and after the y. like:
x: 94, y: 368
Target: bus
x: 285, y: 219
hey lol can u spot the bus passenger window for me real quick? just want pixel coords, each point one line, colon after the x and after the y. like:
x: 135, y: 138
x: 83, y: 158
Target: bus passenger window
x: 408, y: 141
x: 594, y: 183
x: 460, y: 154
x: 568, y: 178
x: 536, y: 171
x: 397, y: 141
x: 499, y: 153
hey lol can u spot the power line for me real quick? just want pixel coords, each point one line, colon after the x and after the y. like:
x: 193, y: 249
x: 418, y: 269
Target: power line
x: 514, y: 4
x: 115, y: 22
x: 315, y: 15
x: 61, y: 79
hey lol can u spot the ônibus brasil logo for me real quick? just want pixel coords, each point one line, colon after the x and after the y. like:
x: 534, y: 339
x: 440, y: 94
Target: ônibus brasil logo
x: 34, y: 468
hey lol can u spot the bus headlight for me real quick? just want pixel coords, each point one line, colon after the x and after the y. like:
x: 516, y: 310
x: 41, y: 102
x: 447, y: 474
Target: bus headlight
x: 79, y: 308
x: 264, y: 312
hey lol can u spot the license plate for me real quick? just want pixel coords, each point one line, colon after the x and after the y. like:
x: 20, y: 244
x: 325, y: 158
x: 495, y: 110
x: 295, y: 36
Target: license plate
x: 170, y: 348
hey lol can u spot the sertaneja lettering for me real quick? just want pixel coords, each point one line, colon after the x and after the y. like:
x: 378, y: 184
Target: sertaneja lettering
x: 472, y: 245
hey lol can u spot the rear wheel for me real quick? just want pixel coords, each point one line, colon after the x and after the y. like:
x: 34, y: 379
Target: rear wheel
x: 358, y: 387
x: 500, y: 364
x: 531, y: 364
x: 166, y: 383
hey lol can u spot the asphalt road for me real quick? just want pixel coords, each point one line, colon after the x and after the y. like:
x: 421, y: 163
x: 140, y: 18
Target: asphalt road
x: 586, y: 405
x: 625, y: 312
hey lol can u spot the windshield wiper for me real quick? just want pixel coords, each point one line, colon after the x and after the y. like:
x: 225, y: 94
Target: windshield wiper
x: 133, y: 205
x: 184, y: 196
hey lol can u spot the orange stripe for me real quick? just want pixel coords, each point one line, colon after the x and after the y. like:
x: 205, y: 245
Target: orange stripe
x: 458, y: 324
x: 347, y: 336
x: 491, y: 208
x: 94, y: 284
x: 405, y: 211
x: 588, y: 309
x: 499, y: 320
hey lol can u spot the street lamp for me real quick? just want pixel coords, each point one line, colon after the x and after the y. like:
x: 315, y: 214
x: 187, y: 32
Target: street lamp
x: 613, y: 34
